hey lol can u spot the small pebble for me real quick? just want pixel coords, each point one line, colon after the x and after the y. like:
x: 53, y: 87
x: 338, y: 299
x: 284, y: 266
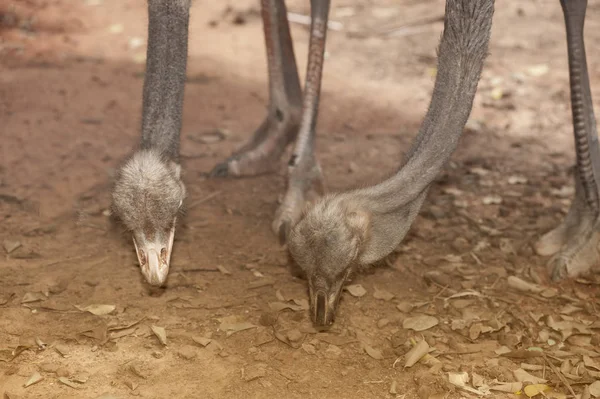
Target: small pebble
x: 294, y: 335
x: 187, y: 352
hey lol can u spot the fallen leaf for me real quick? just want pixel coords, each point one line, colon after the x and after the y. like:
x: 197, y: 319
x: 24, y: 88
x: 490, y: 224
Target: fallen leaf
x: 419, y: 323
x: 460, y: 380
x: 517, y: 180
x: 5, y: 299
x: 279, y: 306
x: 477, y: 380
x: 223, y: 270
x: 160, y: 333
x: 34, y: 379
x: 589, y: 362
x: 595, y: 389
x: 497, y: 93
x: 382, y: 294
x: 98, y: 310
x: 10, y: 245
x: 491, y: 200
x: 535, y: 389
x: 202, y: 340
x: 33, y: 297
x: 374, y: 353
x: 416, y: 353
x: 538, y: 70
x: 62, y: 350
x: 523, y: 376
x: 80, y: 378
x: 522, y: 285
x: 404, y: 307
x: 231, y: 325
x: 68, y: 382
x: 303, y: 303
x: 549, y: 292
x: 356, y: 290
x: 336, y: 340
x: 122, y: 333
x: 508, y: 387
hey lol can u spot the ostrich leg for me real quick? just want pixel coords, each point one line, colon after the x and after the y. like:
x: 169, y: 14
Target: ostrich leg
x: 148, y: 191
x: 344, y: 232
x: 304, y: 171
x: 262, y: 153
x: 574, y: 243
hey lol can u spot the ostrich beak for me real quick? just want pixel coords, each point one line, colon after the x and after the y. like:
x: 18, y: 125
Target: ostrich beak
x: 325, y: 297
x: 154, y: 256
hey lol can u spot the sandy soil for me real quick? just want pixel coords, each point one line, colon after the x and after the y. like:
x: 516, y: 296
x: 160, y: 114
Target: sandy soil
x: 70, y: 102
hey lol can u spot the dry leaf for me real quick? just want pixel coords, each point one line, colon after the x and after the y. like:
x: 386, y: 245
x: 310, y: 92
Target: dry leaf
x: 10, y: 245
x: 202, y: 340
x: 595, y: 389
x: 223, y: 270
x: 491, y: 200
x: 382, y: 294
x: 535, y: 389
x: 419, y: 323
x: 460, y: 380
x: 279, y: 306
x: 477, y: 380
x: 374, y: 353
x: 508, y: 387
x: 590, y: 363
x: 538, y: 70
x: 98, y: 310
x: 34, y: 379
x: 404, y: 307
x: 517, y: 180
x: 523, y: 376
x: 231, y: 325
x: 522, y: 285
x: 160, y: 333
x: 68, y: 382
x: 416, y: 353
x: 356, y: 290
x: 532, y: 367
x: 33, y: 297
x: 303, y: 303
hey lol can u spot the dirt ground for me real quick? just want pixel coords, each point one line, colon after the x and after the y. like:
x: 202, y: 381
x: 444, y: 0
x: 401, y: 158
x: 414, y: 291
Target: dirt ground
x: 235, y: 319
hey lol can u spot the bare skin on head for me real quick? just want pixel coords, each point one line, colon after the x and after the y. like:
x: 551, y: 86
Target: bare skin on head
x: 574, y: 243
x: 148, y: 191
x: 344, y: 232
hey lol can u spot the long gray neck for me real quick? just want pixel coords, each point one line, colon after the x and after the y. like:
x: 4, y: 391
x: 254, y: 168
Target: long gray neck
x: 462, y: 51
x: 165, y: 75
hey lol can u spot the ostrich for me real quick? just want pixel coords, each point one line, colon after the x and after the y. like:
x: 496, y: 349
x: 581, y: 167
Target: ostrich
x: 149, y: 192
x: 355, y: 228
x: 345, y: 232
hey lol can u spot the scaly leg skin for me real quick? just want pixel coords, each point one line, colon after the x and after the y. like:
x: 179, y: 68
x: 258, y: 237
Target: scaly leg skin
x: 262, y: 153
x: 304, y: 171
x: 574, y: 243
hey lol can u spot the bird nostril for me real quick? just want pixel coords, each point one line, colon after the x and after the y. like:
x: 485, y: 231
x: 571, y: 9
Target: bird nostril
x: 163, y: 256
x: 142, y: 256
